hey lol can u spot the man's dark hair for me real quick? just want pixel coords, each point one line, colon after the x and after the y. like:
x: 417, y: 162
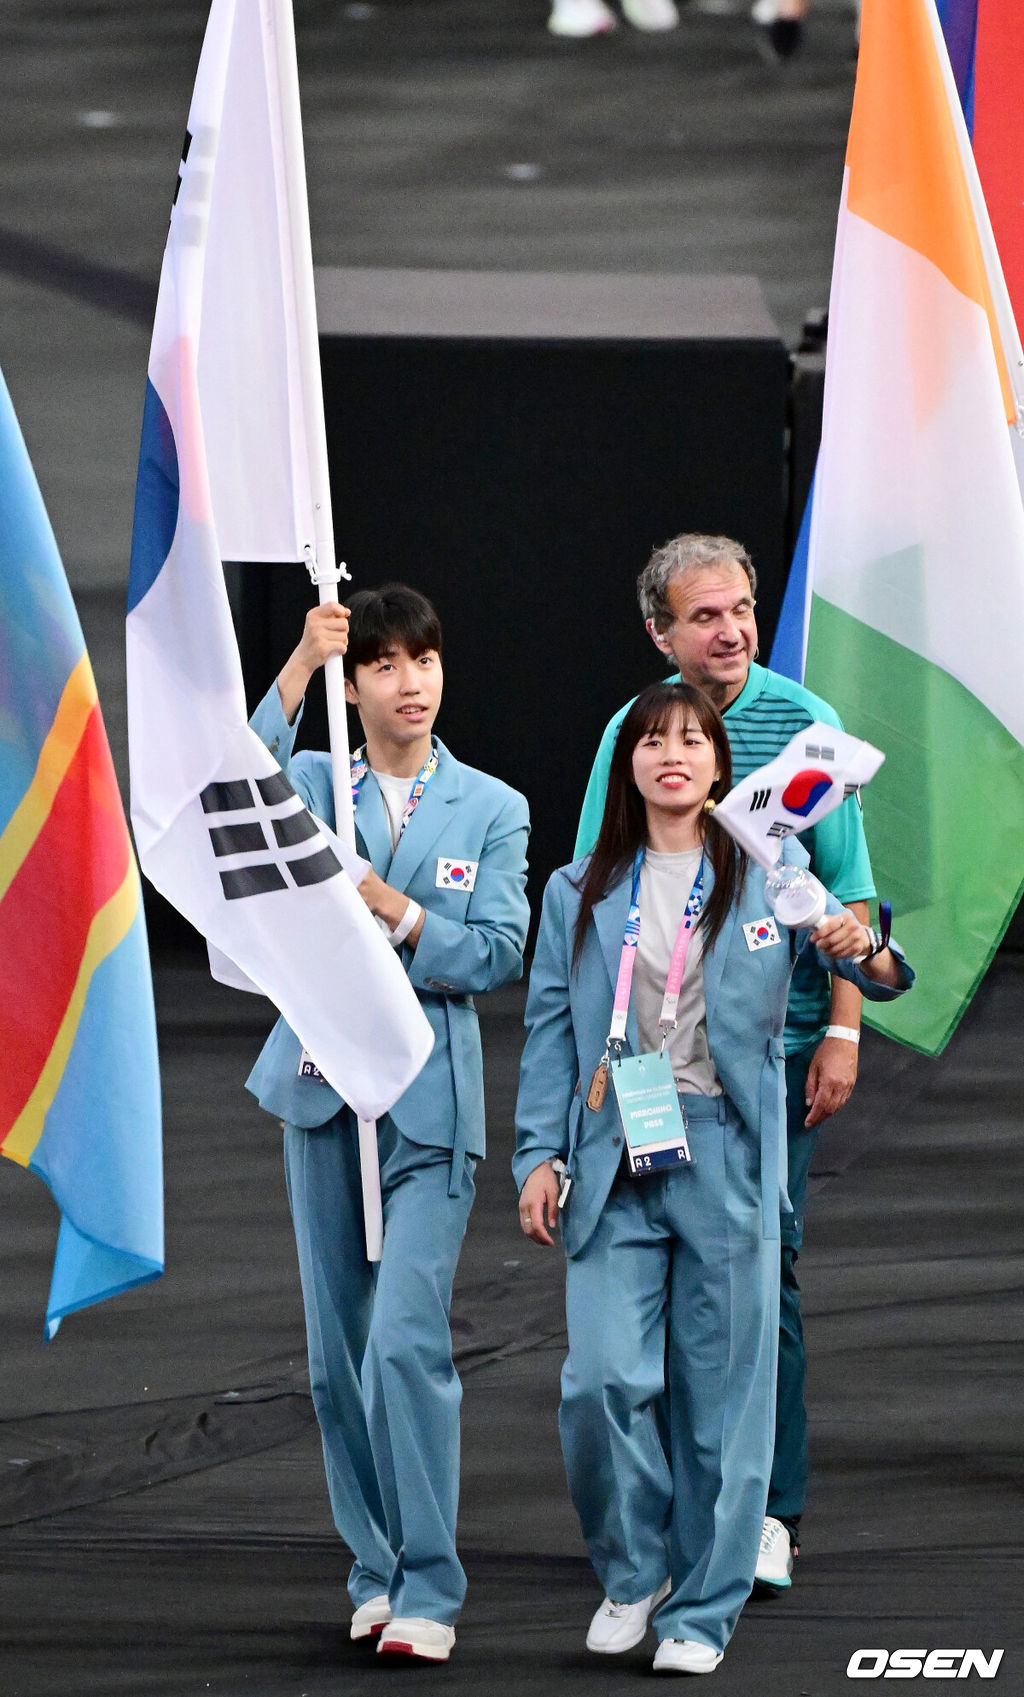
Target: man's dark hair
x: 393, y: 616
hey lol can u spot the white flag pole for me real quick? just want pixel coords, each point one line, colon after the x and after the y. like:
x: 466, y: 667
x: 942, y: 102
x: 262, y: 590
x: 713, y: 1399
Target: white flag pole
x: 320, y: 558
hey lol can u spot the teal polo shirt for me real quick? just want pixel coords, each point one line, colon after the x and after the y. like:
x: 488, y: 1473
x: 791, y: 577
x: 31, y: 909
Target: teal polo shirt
x: 768, y: 711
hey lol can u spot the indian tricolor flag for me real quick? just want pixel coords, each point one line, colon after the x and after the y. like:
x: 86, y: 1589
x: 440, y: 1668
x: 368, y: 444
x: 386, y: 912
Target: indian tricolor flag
x: 916, y: 611
x: 79, y: 1088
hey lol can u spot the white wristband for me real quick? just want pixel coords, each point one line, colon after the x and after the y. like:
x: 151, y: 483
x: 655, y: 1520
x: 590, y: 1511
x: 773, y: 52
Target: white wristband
x: 846, y: 1032
x: 405, y: 924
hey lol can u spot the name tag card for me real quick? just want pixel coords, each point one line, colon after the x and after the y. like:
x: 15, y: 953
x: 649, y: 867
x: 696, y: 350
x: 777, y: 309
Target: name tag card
x: 651, y: 1116
x: 309, y: 1069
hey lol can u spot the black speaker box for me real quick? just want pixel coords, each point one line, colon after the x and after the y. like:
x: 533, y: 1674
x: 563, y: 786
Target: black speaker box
x: 514, y: 445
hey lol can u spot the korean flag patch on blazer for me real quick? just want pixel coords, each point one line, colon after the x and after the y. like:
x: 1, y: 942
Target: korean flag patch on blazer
x: 761, y: 934
x: 456, y: 874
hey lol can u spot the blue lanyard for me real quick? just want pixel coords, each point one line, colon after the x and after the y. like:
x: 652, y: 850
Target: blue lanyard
x: 359, y: 770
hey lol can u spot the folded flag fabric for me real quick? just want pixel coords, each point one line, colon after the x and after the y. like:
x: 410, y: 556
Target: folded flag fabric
x: 224, y: 474
x: 79, y: 1086
x: 815, y: 773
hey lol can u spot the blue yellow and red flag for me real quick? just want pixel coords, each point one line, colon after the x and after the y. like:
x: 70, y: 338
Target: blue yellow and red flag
x: 986, y: 48
x: 79, y: 1086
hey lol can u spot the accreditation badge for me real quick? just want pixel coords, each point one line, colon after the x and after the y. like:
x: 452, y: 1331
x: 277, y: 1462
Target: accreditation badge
x: 652, y: 1119
x: 309, y: 1069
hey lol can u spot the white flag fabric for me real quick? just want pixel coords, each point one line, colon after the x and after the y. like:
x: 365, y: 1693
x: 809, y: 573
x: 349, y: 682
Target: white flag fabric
x: 223, y: 473
x: 815, y: 772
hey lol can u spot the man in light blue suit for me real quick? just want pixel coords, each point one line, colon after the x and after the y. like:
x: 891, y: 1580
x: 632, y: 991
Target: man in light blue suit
x: 447, y: 847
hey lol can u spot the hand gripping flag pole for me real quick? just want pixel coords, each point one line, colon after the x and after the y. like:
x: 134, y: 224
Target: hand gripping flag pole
x: 233, y: 466
x: 324, y: 572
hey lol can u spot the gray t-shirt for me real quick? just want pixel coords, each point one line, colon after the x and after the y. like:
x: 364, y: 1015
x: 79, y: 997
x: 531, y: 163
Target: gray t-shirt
x: 665, y: 883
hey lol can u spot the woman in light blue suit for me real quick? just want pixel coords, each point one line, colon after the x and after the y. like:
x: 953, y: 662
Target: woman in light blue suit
x: 672, y: 1277
x: 447, y: 848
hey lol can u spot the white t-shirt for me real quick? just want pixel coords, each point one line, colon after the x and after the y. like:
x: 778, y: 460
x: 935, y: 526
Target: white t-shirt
x: 665, y: 884
x: 396, y: 792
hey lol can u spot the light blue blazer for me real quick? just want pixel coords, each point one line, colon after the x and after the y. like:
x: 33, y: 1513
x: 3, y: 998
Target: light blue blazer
x: 469, y: 942
x: 568, y: 1013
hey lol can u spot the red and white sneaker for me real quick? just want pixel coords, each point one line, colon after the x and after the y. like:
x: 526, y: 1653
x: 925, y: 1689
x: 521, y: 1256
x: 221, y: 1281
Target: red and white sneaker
x: 410, y: 1635
x: 370, y: 1618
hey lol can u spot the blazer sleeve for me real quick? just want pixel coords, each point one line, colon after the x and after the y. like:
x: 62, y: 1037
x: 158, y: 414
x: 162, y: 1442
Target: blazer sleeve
x: 549, y: 1069
x: 486, y: 949
x: 307, y: 772
x: 850, y: 970
x: 272, y: 728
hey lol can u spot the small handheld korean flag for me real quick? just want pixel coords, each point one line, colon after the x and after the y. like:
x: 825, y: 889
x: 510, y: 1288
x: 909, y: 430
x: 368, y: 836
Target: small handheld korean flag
x: 816, y: 772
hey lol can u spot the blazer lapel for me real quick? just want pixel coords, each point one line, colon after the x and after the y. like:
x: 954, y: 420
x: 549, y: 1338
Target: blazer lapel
x: 429, y: 821
x: 371, y: 819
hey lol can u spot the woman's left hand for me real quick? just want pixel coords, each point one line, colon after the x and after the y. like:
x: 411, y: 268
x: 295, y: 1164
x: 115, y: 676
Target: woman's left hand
x: 842, y: 936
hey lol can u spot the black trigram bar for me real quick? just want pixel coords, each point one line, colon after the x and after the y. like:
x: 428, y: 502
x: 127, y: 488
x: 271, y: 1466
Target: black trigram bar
x: 238, y: 839
x: 314, y: 868
x: 274, y: 789
x: 814, y: 752
x: 255, y: 880
x: 780, y: 830
x: 759, y: 799
x: 227, y: 798
x: 295, y: 828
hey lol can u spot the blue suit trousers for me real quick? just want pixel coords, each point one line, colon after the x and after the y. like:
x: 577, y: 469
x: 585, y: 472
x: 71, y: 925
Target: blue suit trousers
x: 385, y: 1389
x: 677, y: 1286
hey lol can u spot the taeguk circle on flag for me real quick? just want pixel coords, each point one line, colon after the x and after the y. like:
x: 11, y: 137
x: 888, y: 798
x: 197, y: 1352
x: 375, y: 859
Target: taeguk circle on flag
x: 804, y: 791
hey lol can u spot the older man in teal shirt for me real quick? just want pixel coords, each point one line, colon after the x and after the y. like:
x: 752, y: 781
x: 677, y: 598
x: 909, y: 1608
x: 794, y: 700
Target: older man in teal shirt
x: 697, y: 597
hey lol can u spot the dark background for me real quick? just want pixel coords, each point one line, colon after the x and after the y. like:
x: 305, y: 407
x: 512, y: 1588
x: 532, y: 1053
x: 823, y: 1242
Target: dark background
x: 521, y: 484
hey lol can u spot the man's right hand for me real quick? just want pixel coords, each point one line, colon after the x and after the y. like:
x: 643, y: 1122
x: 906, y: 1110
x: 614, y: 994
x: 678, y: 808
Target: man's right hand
x: 325, y: 633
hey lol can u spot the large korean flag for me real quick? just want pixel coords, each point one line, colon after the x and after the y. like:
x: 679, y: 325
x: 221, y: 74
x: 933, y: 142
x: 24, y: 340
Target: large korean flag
x: 224, y: 474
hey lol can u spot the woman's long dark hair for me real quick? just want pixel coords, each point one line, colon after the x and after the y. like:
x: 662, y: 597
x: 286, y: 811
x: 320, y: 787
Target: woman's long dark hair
x: 624, y: 825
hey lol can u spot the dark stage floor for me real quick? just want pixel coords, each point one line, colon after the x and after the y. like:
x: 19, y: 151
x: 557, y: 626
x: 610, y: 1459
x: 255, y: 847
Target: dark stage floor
x: 160, y: 1479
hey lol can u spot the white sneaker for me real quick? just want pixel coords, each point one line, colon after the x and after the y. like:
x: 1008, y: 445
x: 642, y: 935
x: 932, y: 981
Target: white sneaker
x: 618, y: 1626
x: 685, y: 1655
x: 426, y: 1640
x: 580, y: 18
x: 651, y: 15
x: 775, y: 1557
x: 370, y: 1618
